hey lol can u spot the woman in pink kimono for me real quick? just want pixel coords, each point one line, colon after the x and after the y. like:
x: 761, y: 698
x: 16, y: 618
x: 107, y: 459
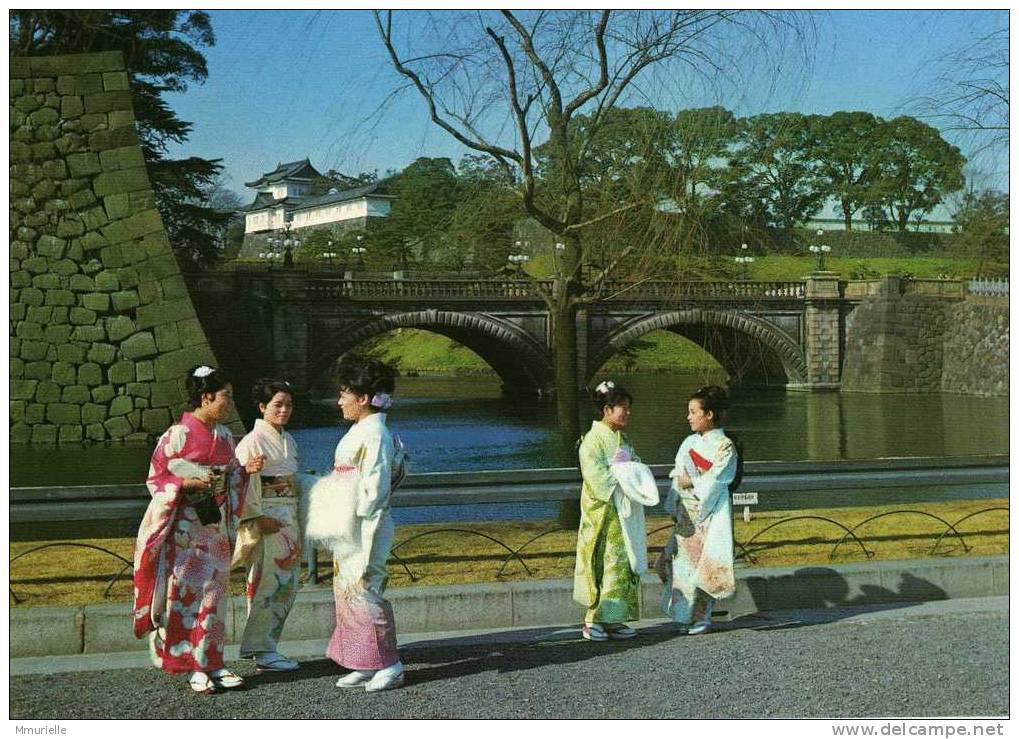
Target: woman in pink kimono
x: 268, y: 540
x: 182, y: 554
x: 696, y: 564
x: 367, y: 468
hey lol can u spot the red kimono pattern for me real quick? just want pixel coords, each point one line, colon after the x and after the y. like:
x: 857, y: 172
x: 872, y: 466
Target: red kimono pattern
x: 182, y: 567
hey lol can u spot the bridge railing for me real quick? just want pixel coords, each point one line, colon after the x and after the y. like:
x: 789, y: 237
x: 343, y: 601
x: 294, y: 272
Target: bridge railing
x: 701, y: 289
x: 388, y: 289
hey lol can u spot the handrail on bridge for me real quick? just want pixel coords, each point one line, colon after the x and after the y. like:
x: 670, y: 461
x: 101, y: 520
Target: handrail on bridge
x: 779, y: 479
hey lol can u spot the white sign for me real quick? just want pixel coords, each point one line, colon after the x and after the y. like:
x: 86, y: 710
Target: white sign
x: 744, y: 498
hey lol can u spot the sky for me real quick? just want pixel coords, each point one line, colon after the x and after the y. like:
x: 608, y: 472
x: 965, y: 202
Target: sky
x: 284, y: 85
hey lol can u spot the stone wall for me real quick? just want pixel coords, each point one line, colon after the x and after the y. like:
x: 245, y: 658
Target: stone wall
x: 914, y: 343
x: 102, y: 329
x: 976, y: 347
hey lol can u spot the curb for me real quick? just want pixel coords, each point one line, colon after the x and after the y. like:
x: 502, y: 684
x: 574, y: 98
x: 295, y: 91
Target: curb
x: 102, y: 629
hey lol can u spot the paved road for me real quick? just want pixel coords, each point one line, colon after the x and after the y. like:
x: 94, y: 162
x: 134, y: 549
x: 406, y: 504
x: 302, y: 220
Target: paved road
x: 934, y: 659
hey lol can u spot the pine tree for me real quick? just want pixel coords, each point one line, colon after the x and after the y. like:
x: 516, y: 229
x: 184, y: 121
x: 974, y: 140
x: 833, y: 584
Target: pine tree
x: 161, y: 51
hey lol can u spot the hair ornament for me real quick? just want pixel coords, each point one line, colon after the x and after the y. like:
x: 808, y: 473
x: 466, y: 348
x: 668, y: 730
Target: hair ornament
x: 203, y: 371
x: 382, y: 401
x: 604, y: 387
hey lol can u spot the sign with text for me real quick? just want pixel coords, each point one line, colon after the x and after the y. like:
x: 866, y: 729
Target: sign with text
x: 744, y: 498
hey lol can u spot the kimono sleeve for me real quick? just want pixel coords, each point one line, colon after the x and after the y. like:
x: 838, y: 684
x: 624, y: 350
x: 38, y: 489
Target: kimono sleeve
x: 165, y: 477
x: 375, y: 464
x: 713, y: 484
x: 252, y: 508
x: 594, y: 466
x: 678, y: 467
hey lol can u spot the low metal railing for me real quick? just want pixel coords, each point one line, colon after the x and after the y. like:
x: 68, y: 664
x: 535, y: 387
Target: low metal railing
x: 778, y: 485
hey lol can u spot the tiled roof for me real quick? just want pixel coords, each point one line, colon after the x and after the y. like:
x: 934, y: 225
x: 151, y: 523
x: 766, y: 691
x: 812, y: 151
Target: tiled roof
x: 291, y: 170
x: 265, y: 200
x: 338, y: 197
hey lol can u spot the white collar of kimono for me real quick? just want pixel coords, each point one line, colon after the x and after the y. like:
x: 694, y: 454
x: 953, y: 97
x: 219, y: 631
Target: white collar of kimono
x: 373, y: 418
x: 266, y: 426
x: 713, y: 432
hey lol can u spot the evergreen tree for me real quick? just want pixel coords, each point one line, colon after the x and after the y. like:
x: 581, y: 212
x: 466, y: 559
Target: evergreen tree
x: 161, y: 49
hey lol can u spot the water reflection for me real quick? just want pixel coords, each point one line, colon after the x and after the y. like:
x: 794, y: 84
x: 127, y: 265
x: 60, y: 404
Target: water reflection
x: 466, y: 424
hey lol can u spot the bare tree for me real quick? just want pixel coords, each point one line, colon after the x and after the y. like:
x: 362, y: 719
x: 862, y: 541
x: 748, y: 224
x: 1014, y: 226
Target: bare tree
x: 971, y: 95
x: 532, y: 90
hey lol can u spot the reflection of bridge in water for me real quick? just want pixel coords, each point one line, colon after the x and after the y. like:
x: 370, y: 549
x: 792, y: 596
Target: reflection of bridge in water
x: 295, y: 324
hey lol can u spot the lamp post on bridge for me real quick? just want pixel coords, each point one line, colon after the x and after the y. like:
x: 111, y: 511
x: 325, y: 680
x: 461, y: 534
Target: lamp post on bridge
x: 518, y: 260
x: 820, y: 250
x: 359, y: 251
x: 744, y: 260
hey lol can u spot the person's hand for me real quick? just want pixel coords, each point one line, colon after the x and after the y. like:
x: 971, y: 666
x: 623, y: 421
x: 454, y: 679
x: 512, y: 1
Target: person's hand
x: 255, y: 464
x: 684, y: 480
x: 268, y: 525
x: 196, y: 484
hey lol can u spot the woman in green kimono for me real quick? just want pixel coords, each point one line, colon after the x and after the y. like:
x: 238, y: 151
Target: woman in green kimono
x: 603, y: 580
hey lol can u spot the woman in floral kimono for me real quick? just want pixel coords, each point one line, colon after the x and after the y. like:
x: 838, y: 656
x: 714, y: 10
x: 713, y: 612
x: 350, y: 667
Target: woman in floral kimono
x: 603, y: 580
x: 696, y: 564
x: 268, y: 539
x: 366, y: 469
x: 182, y: 554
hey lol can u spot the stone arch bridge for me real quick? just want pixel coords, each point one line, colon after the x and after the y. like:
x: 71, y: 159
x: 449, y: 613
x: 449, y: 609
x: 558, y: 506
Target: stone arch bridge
x: 295, y: 324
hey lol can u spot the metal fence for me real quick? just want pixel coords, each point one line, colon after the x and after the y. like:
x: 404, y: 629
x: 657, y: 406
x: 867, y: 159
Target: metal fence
x: 773, y: 485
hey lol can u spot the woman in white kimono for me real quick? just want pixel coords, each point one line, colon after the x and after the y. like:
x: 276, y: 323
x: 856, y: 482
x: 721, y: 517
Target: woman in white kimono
x: 696, y: 564
x: 268, y: 539
x: 365, y: 636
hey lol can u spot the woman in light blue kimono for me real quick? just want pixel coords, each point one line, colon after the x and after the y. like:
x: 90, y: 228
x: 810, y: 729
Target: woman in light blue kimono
x: 696, y: 564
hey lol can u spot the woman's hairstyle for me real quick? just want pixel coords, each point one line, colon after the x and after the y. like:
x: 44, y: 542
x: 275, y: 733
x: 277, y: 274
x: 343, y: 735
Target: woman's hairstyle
x: 715, y: 399
x: 265, y: 390
x: 202, y: 380
x: 365, y: 376
x: 608, y: 393
x: 712, y: 398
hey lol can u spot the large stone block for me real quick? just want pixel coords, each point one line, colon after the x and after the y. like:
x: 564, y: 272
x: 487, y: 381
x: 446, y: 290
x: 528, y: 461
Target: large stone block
x: 112, y: 256
x: 165, y: 394
x: 167, y: 338
x: 90, y: 374
x: 58, y: 334
x: 60, y: 297
x: 117, y: 206
x: 167, y: 311
x: 77, y: 394
x: 95, y: 432
x: 104, y: 102
x: 119, y: 327
x: 103, y: 393
x: 48, y: 392
x: 146, y: 372
x: 70, y: 434
x: 82, y: 283
x: 124, y: 180
x: 118, y: 427
x: 35, y: 413
x: 30, y: 331
x: 107, y: 281
x: 138, y: 346
x: 156, y: 420
x: 173, y: 365
x: 22, y: 389
x: 71, y: 353
x: 83, y: 164
x: 139, y: 390
x: 71, y: 106
x: 39, y: 370
x: 51, y: 246
x: 121, y: 406
x: 88, y: 333
x: 98, y: 302
x: 63, y: 413
x: 103, y: 354
x: 125, y: 300
x: 125, y: 157
x: 82, y: 316
x: 121, y: 373
x: 33, y: 351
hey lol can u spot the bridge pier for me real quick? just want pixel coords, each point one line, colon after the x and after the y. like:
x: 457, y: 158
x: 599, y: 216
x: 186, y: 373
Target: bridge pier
x: 822, y: 333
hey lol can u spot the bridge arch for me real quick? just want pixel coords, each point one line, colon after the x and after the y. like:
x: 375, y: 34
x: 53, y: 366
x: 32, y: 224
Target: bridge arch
x: 519, y: 360
x: 748, y: 347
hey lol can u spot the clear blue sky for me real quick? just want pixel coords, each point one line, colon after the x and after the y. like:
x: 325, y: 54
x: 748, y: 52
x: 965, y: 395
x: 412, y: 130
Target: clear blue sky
x: 288, y: 84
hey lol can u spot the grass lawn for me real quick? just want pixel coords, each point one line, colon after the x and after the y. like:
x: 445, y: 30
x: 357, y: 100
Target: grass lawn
x: 60, y: 576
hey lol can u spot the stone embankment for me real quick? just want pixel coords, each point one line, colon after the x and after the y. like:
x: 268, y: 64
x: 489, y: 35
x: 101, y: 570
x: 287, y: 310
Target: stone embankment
x: 102, y: 327
x: 916, y: 343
